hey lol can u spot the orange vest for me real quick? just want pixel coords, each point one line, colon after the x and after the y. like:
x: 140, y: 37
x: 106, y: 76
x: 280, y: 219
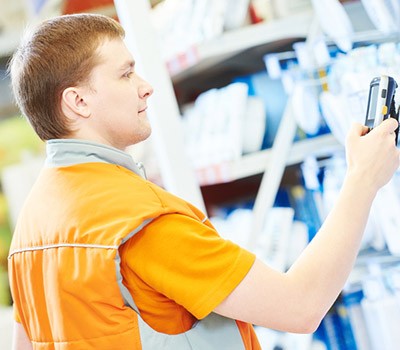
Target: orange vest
x: 64, y: 260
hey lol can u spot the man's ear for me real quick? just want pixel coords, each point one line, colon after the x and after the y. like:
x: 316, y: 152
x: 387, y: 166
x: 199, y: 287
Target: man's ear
x: 73, y: 103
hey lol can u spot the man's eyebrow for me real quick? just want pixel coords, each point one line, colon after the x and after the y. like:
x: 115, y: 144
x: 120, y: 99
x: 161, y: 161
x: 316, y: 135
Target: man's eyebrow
x: 128, y: 64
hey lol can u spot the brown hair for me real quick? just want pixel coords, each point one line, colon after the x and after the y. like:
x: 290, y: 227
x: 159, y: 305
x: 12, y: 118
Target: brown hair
x: 60, y: 53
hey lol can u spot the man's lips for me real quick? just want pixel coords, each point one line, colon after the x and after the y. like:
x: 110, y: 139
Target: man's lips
x: 142, y: 110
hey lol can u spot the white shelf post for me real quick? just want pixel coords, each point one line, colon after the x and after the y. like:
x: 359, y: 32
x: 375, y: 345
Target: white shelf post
x: 141, y: 39
x: 273, y: 173
x: 280, y: 152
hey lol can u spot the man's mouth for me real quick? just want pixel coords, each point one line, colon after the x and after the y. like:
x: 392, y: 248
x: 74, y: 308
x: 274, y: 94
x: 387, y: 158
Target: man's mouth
x: 142, y: 110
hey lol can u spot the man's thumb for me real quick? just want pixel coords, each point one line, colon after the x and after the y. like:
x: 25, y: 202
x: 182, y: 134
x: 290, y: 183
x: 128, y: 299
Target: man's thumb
x: 389, y: 125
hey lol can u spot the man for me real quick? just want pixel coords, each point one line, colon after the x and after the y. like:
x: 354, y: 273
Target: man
x: 103, y: 259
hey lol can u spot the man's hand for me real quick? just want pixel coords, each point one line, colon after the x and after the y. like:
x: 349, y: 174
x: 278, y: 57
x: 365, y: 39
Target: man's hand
x: 372, y: 158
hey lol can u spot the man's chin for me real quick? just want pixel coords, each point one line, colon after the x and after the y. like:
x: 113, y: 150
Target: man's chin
x: 140, y: 138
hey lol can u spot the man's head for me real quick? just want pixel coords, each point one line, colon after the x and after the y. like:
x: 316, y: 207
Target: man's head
x: 57, y: 78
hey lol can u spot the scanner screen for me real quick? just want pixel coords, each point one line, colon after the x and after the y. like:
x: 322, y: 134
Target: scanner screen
x: 373, y: 97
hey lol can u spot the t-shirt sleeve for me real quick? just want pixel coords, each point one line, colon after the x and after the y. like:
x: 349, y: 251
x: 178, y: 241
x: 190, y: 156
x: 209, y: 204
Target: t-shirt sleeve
x: 188, y: 262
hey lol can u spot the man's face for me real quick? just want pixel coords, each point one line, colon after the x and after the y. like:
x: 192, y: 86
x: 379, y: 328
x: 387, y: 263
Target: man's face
x: 118, y: 97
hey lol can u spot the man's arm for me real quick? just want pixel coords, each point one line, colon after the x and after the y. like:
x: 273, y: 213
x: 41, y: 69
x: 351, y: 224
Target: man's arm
x: 297, y: 300
x: 20, y: 338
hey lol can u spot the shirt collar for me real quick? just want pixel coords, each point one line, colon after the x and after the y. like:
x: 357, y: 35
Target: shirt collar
x: 67, y: 152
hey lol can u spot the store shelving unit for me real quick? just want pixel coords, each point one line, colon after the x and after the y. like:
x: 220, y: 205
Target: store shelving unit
x: 234, y: 51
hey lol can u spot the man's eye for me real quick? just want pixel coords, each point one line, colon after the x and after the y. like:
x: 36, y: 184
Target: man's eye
x: 128, y: 74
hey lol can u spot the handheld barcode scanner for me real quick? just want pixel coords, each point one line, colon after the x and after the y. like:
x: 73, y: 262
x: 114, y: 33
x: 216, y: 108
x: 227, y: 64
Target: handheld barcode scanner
x: 381, y: 103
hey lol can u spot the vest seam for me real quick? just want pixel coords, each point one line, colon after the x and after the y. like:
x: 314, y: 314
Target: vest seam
x: 61, y: 245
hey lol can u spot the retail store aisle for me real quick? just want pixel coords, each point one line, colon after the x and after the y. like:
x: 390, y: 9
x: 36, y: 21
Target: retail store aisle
x: 5, y: 328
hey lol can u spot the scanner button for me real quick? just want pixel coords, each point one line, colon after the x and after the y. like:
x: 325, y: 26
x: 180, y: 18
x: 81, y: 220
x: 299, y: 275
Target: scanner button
x: 384, y: 110
x: 384, y: 91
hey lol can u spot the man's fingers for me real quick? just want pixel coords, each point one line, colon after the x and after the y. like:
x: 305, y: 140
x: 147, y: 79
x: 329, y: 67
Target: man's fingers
x: 358, y: 129
x: 387, y: 127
